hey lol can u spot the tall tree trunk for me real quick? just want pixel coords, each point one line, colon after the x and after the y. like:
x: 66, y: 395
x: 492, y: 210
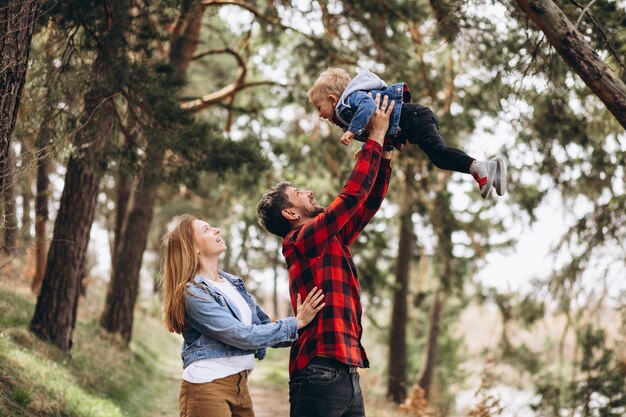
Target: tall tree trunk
x: 17, y: 19
x: 41, y: 204
x: 41, y: 219
x: 428, y: 369
x: 27, y: 196
x: 443, y: 222
x: 55, y: 312
x: 396, y: 383
x: 124, y: 185
x: 42, y: 143
x: 10, y: 209
x: 578, y: 54
x: 124, y: 286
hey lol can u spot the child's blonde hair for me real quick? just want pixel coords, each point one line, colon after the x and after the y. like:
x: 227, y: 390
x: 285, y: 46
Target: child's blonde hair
x: 331, y: 81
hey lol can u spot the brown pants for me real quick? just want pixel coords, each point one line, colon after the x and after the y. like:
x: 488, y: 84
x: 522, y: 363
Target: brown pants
x: 224, y: 397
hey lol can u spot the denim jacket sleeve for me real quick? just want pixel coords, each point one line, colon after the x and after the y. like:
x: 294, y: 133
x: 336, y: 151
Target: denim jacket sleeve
x: 209, y: 316
x: 264, y: 318
x: 363, y: 107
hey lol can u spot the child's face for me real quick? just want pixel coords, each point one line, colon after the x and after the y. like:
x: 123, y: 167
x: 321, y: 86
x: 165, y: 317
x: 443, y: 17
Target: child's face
x: 325, y: 106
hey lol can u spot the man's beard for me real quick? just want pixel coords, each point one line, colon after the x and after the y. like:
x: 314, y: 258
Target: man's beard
x: 314, y: 212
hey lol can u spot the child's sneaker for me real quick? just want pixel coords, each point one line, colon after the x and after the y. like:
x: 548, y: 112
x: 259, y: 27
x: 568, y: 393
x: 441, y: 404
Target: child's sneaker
x: 484, y: 173
x: 500, y: 180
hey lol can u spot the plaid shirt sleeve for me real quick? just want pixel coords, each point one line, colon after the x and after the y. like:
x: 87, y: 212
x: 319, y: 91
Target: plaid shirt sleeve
x: 366, y: 211
x: 314, y: 236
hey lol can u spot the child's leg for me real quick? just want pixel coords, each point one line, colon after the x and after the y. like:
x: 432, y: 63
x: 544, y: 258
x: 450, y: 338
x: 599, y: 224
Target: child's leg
x: 419, y: 126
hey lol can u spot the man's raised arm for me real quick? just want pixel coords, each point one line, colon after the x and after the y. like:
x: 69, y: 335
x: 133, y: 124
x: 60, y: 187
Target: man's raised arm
x: 315, y: 235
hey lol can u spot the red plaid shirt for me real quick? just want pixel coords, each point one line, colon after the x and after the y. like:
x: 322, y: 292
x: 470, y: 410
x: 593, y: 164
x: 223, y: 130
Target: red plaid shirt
x: 318, y: 255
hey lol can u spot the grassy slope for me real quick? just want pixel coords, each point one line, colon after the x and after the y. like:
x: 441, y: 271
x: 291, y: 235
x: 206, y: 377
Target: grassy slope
x: 100, y: 378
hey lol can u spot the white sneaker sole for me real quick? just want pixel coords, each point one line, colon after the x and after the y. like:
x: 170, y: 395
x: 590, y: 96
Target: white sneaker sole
x: 486, y: 190
x: 500, y: 181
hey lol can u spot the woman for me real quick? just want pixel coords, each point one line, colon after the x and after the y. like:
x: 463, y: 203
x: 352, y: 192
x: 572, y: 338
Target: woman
x: 223, y: 328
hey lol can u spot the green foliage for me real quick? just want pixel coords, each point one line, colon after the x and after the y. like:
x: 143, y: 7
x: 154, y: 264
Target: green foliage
x: 599, y: 385
x: 529, y: 310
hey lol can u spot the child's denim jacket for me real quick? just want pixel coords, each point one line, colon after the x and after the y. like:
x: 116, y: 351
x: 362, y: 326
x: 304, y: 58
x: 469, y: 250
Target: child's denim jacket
x: 214, y: 327
x: 356, y: 107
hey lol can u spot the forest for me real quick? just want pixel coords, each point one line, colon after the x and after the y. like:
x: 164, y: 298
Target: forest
x: 120, y: 115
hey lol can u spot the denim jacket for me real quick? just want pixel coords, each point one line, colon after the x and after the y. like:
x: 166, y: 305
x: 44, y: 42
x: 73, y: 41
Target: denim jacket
x: 214, y: 327
x: 355, y: 107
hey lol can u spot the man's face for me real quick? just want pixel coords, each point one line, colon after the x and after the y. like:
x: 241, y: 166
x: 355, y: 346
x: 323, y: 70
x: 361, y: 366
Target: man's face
x: 304, y: 202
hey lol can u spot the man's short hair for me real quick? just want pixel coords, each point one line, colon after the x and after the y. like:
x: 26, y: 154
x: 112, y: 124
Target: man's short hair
x: 332, y: 81
x: 269, y: 210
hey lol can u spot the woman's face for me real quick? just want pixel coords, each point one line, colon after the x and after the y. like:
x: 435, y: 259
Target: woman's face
x: 208, y: 239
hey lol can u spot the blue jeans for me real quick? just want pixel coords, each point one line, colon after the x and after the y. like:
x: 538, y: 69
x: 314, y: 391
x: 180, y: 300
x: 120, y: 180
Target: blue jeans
x: 326, y: 390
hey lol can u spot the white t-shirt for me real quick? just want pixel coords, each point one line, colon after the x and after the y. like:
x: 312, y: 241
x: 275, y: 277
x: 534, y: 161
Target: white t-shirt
x: 207, y: 370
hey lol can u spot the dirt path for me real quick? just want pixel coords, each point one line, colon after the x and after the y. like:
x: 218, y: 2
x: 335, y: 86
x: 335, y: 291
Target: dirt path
x: 269, y: 400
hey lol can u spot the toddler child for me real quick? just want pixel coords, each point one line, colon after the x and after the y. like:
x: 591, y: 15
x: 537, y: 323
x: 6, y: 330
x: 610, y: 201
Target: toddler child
x: 346, y: 103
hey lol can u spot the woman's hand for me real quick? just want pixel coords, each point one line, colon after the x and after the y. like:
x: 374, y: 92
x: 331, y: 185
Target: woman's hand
x: 305, y: 312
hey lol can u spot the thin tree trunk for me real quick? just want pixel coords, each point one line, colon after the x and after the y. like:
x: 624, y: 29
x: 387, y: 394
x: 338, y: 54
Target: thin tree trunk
x: 10, y: 209
x: 443, y: 224
x: 26, y: 193
x: 124, y: 186
x: 41, y: 212
x: 42, y: 143
x: 27, y: 197
x: 428, y: 369
x: 396, y: 383
x: 55, y: 312
x: 17, y: 19
x: 578, y: 54
x: 124, y: 286
x: 41, y: 221
x: 117, y: 316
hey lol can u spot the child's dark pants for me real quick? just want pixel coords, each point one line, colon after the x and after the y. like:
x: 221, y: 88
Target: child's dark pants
x: 419, y: 126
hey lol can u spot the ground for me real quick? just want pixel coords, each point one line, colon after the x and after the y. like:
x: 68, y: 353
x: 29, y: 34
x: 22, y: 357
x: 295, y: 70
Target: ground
x: 268, y: 400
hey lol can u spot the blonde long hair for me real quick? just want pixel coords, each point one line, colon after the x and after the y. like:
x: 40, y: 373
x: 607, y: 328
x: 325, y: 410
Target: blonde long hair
x: 179, y: 266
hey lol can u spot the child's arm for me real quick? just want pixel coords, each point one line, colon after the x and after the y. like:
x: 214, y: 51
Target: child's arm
x: 364, y: 107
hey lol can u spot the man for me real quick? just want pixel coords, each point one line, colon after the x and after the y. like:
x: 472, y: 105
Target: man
x: 323, y: 365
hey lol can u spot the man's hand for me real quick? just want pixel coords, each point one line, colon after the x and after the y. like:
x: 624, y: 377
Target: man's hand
x: 346, y: 138
x: 380, y: 119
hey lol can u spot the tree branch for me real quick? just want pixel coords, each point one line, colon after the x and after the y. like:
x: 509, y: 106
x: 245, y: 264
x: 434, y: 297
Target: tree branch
x: 617, y: 57
x: 578, y: 54
x: 582, y: 14
x: 244, y: 5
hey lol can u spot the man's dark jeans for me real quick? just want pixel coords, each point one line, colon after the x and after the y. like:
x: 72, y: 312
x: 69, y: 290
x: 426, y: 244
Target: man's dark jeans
x: 326, y: 388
